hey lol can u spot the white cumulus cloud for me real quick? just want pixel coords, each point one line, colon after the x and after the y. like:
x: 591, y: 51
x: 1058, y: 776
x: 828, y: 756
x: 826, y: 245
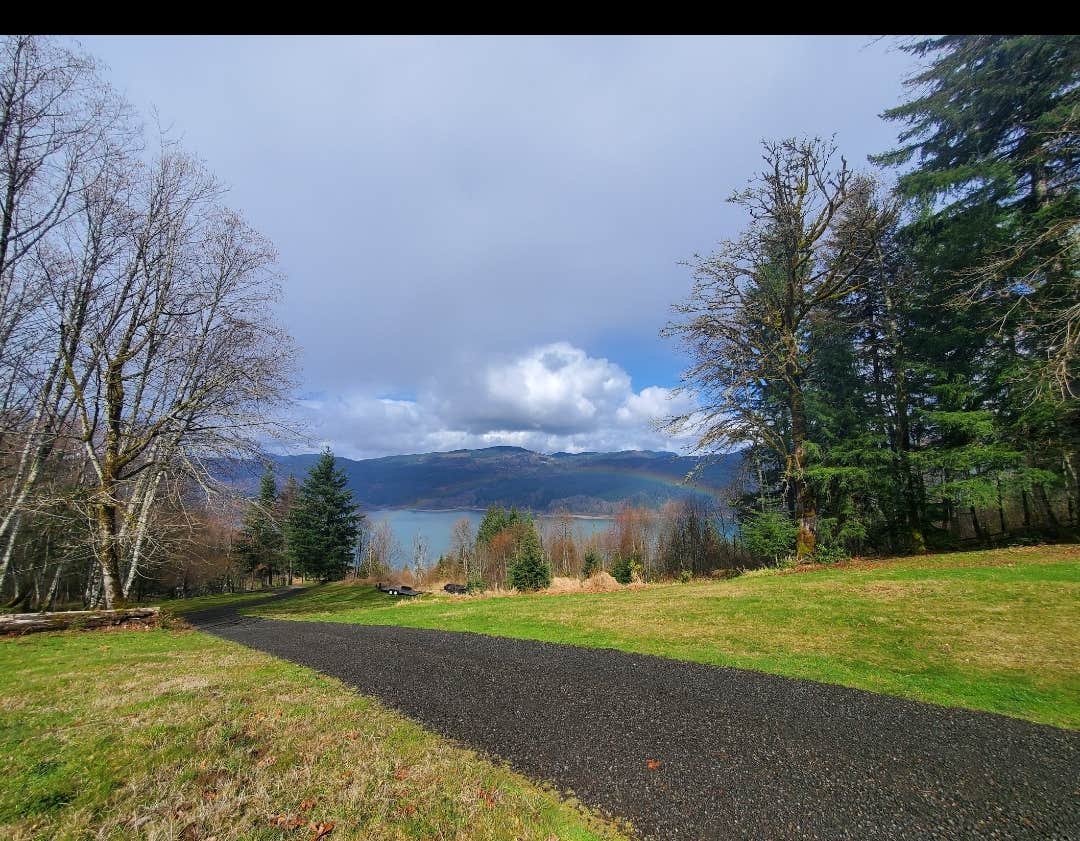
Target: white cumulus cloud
x: 552, y: 398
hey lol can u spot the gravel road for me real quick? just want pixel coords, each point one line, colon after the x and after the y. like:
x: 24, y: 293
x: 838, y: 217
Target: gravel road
x: 687, y: 751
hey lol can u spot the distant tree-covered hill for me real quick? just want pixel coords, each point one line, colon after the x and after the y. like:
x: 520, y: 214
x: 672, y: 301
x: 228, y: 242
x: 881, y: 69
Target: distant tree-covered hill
x: 578, y: 482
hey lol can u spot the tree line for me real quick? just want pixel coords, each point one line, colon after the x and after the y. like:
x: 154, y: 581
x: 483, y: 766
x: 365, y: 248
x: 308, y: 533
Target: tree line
x: 686, y: 537
x: 899, y: 365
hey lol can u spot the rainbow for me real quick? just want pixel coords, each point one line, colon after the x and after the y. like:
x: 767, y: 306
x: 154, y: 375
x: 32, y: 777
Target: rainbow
x: 655, y: 477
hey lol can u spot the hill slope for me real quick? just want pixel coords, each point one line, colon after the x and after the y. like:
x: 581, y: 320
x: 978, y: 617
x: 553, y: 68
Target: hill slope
x: 579, y: 482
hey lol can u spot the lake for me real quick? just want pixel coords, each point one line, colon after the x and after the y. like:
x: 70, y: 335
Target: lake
x: 436, y: 526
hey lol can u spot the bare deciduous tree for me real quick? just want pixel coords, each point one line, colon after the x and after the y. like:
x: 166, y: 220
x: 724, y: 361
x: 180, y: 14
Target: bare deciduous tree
x: 61, y: 132
x: 383, y: 551
x: 462, y: 546
x: 136, y: 320
x: 813, y: 227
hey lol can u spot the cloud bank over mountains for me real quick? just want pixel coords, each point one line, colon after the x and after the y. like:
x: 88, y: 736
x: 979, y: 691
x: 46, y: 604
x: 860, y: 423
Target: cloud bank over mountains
x: 551, y: 398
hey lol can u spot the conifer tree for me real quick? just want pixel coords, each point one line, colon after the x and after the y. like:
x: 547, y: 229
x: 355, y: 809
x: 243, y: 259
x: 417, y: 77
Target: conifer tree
x: 260, y: 541
x: 529, y: 570
x: 285, y: 502
x: 993, y: 128
x: 496, y: 519
x: 324, y: 526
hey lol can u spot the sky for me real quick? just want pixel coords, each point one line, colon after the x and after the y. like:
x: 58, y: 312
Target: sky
x: 481, y: 238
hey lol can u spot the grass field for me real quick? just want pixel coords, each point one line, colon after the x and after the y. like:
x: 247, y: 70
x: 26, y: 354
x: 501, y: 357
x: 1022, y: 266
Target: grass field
x: 182, y: 607
x: 169, y: 734
x: 995, y: 630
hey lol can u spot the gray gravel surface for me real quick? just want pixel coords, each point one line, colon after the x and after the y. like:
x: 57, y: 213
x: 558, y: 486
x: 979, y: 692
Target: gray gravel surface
x: 688, y: 751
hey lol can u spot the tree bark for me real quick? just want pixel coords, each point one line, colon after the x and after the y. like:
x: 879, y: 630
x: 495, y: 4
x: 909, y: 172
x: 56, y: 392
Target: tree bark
x: 1049, y: 517
x: 24, y: 623
x: 805, y: 504
x: 980, y: 532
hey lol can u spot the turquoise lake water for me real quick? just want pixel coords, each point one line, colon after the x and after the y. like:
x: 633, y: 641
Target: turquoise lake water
x: 436, y: 526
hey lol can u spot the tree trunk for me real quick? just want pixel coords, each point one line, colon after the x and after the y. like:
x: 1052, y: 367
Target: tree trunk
x: 24, y: 623
x: 1049, y: 517
x: 109, y: 554
x: 1072, y: 467
x: 107, y: 504
x: 9, y: 551
x: 1001, y: 510
x: 980, y: 532
x: 50, y: 597
x: 38, y: 446
x: 145, y: 505
x: 805, y: 504
x: 906, y: 478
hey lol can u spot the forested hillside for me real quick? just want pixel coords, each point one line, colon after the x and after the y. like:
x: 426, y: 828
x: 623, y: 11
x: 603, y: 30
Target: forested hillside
x: 511, y: 476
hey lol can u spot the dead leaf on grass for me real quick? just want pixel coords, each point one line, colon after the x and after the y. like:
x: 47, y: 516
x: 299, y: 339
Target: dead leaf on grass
x: 287, y: 821
x: 321, y: 829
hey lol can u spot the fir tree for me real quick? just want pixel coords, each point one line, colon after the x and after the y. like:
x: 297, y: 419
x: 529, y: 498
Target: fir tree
x: 260, y: 541
x: 529, y: 570
x: 324, y: 526
x: 993, y: 129
x: 496, y: 519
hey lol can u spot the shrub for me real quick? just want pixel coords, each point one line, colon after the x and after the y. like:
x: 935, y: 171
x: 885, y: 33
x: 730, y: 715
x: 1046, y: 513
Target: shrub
x: 476, y: 585
x: 831, y: 539
x: 591, y: 565
x: 529, y: 569
x: 769, y: 534
x: 627, y: 568
x: 685, y: 576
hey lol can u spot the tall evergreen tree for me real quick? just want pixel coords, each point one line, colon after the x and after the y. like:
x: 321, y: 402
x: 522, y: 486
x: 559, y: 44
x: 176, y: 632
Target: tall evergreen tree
x: 324, y: 525
x: 993, y: 128
x: 285, y: 502
x: 260, y: 541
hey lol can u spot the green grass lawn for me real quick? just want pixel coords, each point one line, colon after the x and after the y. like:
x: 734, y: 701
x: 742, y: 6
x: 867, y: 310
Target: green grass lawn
x: 170, y: 734
x: 181, y: 607
x: 996, y: 630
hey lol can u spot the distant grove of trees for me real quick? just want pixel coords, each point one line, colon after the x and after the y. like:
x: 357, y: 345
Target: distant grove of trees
x: 901, y: 364
x: 684, y: 538
x: 312, y: 529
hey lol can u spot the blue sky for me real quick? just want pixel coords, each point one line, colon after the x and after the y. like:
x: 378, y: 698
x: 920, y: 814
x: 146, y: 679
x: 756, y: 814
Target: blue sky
x: 481, y: 237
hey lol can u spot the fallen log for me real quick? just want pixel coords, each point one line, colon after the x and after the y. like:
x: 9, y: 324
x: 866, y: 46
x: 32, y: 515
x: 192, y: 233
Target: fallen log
x: 26, y: 623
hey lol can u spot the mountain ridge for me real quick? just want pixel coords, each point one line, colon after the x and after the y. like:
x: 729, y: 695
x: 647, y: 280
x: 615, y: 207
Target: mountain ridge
x: 583, y: 483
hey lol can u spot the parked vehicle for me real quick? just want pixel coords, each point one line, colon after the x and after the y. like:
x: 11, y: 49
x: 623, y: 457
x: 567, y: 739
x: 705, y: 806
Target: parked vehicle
x: 398, y: 590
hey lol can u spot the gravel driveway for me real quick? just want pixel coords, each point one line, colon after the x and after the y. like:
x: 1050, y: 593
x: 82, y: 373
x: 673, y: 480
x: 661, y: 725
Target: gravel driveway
x: 688, y: 751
